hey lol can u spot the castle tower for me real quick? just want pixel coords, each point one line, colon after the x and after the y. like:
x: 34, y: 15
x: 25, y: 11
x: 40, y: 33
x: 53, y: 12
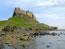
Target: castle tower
x: 18, y: 12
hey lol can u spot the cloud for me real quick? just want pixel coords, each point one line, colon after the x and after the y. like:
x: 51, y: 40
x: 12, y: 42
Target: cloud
x: 54, y: 16
x: 52, y: 20
x: 34, y: 3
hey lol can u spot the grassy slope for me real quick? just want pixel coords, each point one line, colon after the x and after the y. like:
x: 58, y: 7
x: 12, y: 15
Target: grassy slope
x: 19, y: 22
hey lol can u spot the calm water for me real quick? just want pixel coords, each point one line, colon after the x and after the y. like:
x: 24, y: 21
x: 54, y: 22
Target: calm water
x: 47, y: 41
x: 51, y: 42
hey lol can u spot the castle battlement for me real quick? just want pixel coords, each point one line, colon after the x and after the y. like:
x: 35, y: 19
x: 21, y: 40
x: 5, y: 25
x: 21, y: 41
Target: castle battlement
x: 19, y: 12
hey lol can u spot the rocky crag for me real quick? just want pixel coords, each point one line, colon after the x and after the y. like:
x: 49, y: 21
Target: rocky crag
x: 20, y: 28
x: 26, y: 15
x: 24, y: 19
x: 18, y: 12
x: 24, y: 22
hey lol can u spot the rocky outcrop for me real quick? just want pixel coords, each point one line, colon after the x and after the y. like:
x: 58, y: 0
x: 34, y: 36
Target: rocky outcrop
x: 26, y: 15
x: 1, y: 44
x: 18, y: 12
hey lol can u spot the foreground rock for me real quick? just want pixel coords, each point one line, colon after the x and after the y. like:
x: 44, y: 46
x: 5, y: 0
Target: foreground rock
x: 26, y: 31
x: 1, y: 44
x: 45, y: 33
x: 14, y: 40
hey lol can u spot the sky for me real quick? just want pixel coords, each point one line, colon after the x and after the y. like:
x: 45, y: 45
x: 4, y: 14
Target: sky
x: 51, y: 12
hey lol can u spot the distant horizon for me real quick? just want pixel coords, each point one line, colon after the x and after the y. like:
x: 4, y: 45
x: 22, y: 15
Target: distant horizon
x: 50, y: 12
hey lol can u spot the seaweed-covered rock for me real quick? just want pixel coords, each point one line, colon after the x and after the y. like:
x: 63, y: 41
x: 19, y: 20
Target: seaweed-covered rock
x: 7, y: 28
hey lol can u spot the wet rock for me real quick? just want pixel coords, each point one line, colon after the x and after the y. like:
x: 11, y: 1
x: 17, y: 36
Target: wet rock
x: 64, y: 34
x: 2, y: 34
x: 1, y: 45
x: 53, y: 33
x: 21, y: 39
x: 48, y: 33
x: 61, y: 33
x: 48, y: 46
x: 36, y: 34
x: 24, y: 45
x: 42, y: 33
x: 58, y: 34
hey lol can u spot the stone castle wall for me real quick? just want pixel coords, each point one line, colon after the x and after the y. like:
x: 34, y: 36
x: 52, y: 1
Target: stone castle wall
x: 29, y: 14
x: 19, y: 12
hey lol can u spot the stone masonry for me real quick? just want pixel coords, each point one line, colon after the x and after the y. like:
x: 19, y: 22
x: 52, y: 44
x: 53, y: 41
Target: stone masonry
x: 19, y: 12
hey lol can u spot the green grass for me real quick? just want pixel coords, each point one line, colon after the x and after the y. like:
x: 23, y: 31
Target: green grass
x: 3, y: 23
x: 16, y: 20
x: 19, y: 22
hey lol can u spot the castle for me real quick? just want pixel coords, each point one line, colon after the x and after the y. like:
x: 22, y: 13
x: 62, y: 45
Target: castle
x: 19, y: 12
